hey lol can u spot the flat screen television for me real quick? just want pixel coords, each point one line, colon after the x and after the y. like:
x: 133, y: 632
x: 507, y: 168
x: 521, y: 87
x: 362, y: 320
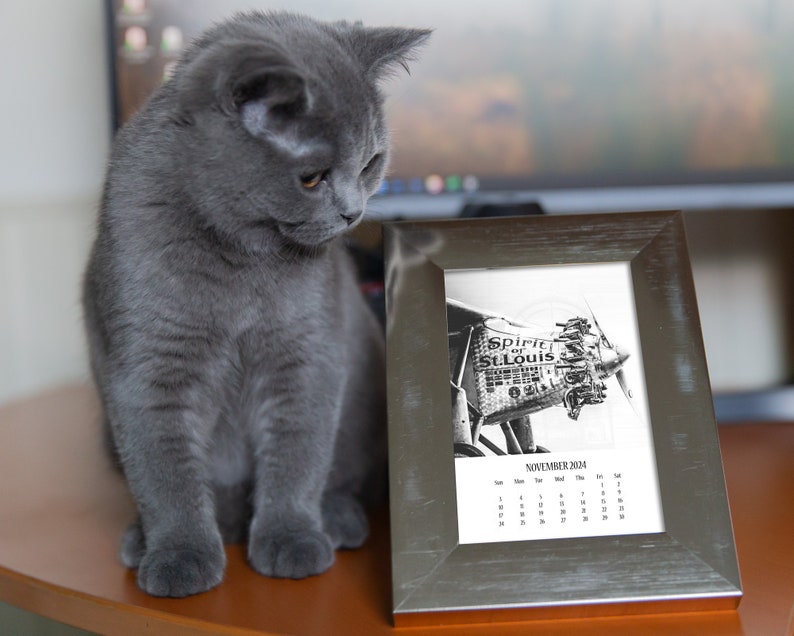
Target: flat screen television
x: 579, y: 106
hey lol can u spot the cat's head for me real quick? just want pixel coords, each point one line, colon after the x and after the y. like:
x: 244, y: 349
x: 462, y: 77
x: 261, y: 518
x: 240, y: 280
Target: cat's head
x: 281, y: 124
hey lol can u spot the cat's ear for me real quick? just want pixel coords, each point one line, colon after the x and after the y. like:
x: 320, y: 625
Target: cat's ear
x: 382, y: 49
x: 244, y: 77
x: 267, y: 96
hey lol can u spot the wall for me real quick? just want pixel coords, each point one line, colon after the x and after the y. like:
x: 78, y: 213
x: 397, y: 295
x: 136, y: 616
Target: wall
x: 743, y: 266
x: 54, y: 132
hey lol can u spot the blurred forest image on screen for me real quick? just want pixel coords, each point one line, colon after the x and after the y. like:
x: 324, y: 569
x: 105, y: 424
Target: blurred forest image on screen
x: 595, y: 87
x: 511, y: 90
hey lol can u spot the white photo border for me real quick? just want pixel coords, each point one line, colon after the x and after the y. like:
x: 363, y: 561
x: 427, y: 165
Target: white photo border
x: 690, y: 566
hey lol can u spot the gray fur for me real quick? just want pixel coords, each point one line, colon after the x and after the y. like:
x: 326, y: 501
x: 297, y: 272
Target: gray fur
x: 239, y: 369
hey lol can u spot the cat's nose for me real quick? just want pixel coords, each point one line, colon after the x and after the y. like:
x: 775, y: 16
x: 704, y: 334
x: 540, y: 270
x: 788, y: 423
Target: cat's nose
x: 349, y: 202
x: 351, y: 216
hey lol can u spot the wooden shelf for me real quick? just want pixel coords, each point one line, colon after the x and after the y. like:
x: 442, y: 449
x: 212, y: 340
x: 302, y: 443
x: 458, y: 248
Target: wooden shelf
x: 62, y: 510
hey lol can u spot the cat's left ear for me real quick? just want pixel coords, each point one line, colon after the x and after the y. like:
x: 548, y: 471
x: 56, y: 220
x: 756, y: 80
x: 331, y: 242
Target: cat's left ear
x: 382, y: 49
x: 232, y: 75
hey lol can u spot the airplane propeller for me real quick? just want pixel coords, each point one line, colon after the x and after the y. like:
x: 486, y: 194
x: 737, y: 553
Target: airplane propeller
x: 621, y: 377
x: 604, y: 338
x: 617, y: 362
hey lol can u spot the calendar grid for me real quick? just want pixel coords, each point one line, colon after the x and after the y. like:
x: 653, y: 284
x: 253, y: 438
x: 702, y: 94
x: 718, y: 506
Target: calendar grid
x: 602, y: 493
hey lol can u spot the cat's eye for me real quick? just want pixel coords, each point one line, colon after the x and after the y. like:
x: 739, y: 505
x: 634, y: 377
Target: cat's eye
x: 312, y: 180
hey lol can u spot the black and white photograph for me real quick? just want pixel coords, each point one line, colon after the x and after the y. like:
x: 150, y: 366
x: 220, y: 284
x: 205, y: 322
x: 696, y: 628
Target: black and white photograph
x: 549, y: 408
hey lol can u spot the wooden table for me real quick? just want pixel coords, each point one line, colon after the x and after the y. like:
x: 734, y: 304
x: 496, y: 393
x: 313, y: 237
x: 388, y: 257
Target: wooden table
x: 62, y: 510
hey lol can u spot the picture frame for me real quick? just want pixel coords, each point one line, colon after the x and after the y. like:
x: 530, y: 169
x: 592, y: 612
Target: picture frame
x: 684, y: 560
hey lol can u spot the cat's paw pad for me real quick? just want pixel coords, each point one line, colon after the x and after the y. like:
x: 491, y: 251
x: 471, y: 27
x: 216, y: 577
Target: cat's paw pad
x: 345, y: 521
x: 133, y: 545
x: 293, y: 555
x: 180, y: 572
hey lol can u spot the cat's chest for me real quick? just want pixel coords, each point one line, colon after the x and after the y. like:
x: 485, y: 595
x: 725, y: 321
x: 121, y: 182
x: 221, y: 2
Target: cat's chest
x: 233, y: 295
x: 270, y: 295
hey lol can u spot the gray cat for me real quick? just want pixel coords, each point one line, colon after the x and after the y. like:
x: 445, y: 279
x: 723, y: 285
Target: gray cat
x: 238, y: 366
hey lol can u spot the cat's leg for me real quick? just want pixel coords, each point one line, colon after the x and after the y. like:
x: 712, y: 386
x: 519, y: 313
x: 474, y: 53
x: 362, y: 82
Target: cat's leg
x: 176, y: 545
x: 293, y: 433
x: 133, y: 544
x: 233, y: 511
x: 359, y: 474
x: 344, y: 519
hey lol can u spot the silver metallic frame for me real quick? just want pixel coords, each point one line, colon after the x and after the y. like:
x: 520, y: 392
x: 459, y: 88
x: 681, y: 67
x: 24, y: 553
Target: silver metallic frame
x: 690, y: 566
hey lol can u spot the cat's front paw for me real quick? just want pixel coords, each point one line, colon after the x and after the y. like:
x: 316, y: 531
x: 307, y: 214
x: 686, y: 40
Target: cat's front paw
x: 291, y: 555
x: 345, y: 520
x: 181, y: 571
x: 133, y: 545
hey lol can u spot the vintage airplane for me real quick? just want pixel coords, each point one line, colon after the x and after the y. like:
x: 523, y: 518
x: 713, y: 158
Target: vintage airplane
x: 502, y: 371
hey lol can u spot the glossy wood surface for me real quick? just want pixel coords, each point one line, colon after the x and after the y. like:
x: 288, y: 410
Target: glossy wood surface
x: 62, y: 509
